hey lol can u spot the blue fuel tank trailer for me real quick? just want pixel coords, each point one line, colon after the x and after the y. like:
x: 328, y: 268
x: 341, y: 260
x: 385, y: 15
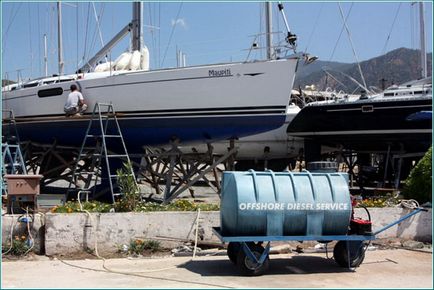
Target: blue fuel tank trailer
x: 284, y: 203
x: 261, y: 207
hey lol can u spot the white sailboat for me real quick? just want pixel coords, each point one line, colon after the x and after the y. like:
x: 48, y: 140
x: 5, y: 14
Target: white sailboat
x: 197, y: 103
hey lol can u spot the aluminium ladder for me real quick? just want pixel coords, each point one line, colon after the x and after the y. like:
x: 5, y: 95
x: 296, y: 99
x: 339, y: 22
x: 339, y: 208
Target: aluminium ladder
x: 102, y: 130
x: 12, y: 157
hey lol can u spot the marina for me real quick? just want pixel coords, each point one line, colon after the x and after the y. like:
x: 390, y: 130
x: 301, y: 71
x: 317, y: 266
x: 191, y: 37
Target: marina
x: 136, y: 149
x: 251, y: 109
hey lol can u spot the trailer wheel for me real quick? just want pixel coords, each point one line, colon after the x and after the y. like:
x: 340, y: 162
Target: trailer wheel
x: 233, y: 249
x: 251, y: 268
x: 357, y: 254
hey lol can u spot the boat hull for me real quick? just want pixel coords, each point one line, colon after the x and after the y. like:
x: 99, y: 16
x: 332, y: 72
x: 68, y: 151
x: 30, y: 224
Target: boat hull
x: 193, y: 104
x: 367, y: 125
x: 138, y: 132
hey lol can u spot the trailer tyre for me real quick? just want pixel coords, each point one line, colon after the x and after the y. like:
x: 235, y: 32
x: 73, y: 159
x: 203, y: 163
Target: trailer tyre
x: 357, y: 253
x: 233, y: 249
x: 251, y: 268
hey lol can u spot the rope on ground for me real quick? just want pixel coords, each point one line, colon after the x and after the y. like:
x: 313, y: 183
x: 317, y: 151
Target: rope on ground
x: 137, y: 274
x: 144, y: 276
x: 409, y: 203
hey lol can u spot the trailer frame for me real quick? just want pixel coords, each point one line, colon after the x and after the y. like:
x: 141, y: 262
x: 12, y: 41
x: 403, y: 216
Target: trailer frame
x: 253, y: 262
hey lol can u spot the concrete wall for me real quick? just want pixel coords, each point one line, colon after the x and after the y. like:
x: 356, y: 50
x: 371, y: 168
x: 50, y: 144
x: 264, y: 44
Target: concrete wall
x: 74, y: 232
x: 71, y: 233
x: 417, y: 227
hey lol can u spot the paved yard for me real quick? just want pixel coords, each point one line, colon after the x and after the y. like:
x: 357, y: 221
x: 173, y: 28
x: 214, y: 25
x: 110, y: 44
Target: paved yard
x: 381, y: 269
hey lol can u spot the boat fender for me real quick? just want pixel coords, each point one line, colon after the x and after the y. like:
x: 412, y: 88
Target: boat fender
x: 105, y: 66
x: 144, y: 62
x: 122, y: 61
x: 135, y: 61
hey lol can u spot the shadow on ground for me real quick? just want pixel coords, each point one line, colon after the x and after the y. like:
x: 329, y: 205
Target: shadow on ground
x: 278, y: 266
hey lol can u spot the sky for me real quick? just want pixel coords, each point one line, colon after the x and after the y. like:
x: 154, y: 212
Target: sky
x: 206, y: 32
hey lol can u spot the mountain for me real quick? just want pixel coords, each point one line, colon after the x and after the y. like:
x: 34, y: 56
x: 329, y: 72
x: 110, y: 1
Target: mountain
x: 395, y: 67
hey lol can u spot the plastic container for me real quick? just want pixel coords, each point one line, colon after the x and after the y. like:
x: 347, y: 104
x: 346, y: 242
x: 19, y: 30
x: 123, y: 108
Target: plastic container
x: 284, y: 203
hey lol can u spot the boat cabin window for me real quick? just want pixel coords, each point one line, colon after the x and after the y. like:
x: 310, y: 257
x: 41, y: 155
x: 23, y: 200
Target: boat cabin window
x: 50, y: 92
x: 30, y: 85
x: 67, y: 80
x: 389, y: 94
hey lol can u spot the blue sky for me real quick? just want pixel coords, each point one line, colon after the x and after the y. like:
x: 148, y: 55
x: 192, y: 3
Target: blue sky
x: 205, y: 32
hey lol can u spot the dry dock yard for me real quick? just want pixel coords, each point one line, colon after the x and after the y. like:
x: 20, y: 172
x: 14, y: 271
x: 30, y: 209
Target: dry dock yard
x: 136, y: 173
x: 391, y: 268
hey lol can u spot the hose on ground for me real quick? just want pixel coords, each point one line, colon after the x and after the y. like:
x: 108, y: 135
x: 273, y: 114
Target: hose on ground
x: 141, y: 272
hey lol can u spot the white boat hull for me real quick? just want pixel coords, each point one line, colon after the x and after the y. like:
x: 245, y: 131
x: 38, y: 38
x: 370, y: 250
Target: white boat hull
x: 203, y: 103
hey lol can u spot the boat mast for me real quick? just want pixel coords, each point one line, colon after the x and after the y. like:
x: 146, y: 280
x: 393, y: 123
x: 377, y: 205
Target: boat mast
x: 268, y: 29
x: 137, y: 26
x: 422, y: 41
x: 45, y: 55
x: 59, y: 37
x: 134, y: 27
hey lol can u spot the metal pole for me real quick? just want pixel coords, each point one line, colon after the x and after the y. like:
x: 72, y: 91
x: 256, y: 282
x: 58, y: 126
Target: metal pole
x: 59, y: 37
x: 103, y: 51
x: 268, y: 29
x: 136, y: 31
x: 177, y: 57
x: 45, y: 55
x: 422, y: 41
x: 416, y: 211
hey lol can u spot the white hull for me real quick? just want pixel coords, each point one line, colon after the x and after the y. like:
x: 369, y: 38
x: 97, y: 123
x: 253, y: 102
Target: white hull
x: 183, y: 88
x: 212, y: 102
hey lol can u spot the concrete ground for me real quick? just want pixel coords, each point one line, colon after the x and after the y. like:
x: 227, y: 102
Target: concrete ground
x: 381, y: 269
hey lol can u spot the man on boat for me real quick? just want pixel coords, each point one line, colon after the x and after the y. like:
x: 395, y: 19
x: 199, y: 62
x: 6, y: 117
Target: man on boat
x: 75, y: 103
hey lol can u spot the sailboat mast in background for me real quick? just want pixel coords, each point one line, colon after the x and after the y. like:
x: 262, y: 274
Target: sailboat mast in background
x: 422, y: 41
x: 59, y: 38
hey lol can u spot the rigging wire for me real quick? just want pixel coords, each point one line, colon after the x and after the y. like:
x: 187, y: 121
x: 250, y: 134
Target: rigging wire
x: 171, y: 33
x: 101, y: 13
x: 337, y: 42
x: 340, y: 34
x: 159, y: 32
x: 279, y: 40
x: 85, y: 32
x: 98, y: 25
x: 391, y: 29
x: 154, y: 34
x: 335, y: 79
x: 11, y: 20
x: 76, y: 38
x: 52, y: 25
x: 352, y: 46
x: 314, y: 26
x: 153, y: 41
x: 39, y: 42
x: 261, y: 29
x: 30, y: 39
x: 412, y: 26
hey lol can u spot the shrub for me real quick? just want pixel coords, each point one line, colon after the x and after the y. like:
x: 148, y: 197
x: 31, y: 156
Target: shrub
x: 138, y: 246
x: 129, y: 188
x: 418, y: 185
x: 19, y: 246
x: 91, y: 206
